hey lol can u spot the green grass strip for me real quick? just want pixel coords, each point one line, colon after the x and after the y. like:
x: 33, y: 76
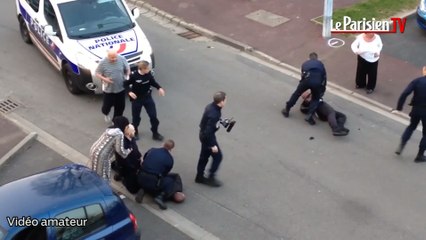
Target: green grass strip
x: 378, y: 9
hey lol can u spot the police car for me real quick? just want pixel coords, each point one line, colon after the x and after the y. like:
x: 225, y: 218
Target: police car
x: 74, y: 35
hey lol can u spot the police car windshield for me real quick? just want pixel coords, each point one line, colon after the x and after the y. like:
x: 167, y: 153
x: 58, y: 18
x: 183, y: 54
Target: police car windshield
x: 93, y: 18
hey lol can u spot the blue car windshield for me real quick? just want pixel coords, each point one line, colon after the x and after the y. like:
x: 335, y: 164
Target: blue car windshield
x: 94, y: 18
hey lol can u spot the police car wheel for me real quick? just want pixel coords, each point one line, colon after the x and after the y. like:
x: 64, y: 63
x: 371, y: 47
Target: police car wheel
x: 69, y: 79
x: 25, y: 34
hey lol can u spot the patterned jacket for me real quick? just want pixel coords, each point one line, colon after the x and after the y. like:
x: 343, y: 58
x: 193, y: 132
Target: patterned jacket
x: 102, y: 151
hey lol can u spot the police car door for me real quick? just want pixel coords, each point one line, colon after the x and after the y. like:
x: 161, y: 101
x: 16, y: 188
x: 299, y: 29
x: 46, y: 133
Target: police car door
x: 49, y: 35
x: 30, y: 11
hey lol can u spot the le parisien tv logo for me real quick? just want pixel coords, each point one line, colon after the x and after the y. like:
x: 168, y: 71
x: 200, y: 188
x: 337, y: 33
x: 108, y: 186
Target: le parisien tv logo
x: 347, y: 25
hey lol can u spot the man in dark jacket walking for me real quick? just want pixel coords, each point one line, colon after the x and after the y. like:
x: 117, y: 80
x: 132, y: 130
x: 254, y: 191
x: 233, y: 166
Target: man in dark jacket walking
x: 210, y: 123
x: 314, y: 77
x: 417, y: 114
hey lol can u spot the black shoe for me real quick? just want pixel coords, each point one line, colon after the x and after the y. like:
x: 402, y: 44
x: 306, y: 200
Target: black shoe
x: 139, y: 195
x: 213, y: 182
x: 157, y: 137
x: 340, y: 132
x: 159, y: 200
x: 399, y: 149
x: 420, y: 159
x: 200, y: 179
x: 310, y: 120
x: 285, y: 112
x: 369, y: 91
x: 346, y: 130
x: 118, y: 177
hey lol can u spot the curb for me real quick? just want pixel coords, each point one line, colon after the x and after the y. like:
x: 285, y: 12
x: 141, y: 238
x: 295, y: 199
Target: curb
x: 27, y: 141
x: 263, y: 56
x: 170, y: 216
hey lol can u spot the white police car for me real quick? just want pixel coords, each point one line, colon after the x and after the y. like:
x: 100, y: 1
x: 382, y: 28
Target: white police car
x: 75, y: 35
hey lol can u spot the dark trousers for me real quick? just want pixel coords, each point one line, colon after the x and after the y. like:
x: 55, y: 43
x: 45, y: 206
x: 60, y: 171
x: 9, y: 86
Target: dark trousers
x: 148, y: 103
x: 151, y: 183
x: 317, y: 91
x: 366, y: 70
x: 205, y: 154
x: 116, y: 100
x: 336, y: 120
x: 414, y: 121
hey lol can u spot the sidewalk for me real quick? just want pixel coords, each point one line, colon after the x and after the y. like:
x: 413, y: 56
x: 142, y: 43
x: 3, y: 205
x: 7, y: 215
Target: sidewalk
x: 12, y: 139
x: 292, y: 41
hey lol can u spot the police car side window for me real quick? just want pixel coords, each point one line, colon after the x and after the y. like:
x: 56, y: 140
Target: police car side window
x: 50, y: 16
x: 34, y: 4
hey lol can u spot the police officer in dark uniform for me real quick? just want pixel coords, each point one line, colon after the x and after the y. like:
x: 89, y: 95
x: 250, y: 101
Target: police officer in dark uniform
x: 154, y: 176
x: 417, y: 114
x: 141, y: 82
x: 210, y: 123
x: 314, y: 77
x: 128, y: 167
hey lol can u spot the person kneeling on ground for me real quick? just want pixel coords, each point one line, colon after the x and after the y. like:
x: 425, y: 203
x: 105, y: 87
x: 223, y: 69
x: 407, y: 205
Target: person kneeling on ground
x: 325, y: 112
x: 102, y: 151
x: 155, y: 178
x: 128, y: 167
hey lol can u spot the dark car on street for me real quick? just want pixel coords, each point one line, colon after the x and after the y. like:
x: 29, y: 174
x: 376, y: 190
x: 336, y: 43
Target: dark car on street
x: 421, y: 14
x: 66, y: 203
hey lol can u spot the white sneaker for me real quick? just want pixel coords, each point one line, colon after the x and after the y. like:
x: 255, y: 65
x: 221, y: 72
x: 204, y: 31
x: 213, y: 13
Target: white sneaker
x: 107, y: 119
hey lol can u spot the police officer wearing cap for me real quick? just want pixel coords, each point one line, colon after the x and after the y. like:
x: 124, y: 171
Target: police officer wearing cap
x: 140, y: 83
x: 417, y: 114
x: 314, y: 77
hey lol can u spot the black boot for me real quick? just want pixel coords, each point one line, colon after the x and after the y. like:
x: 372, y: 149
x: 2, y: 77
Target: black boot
x: 139, y: 195
x: 159, y: 200
x: 213, y: 182
x: 420, y: 156
x: 340, y: 132
x: 400, y: 148
x: 420, y: 159
x: 310, y: 120
x: 200, y: 179
x: 157, y: 137
x: 286, y: 112
x: 136, y: 134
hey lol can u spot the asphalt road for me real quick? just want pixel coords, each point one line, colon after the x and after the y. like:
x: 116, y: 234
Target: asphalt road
x: 407, y: 46
x: 38, y: 157
x: 278, y: 183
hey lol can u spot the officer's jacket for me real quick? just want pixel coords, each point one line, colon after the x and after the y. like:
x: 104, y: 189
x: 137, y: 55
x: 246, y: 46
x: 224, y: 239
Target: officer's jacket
x: 418, y: 88
x: 315, y: 69
x: 210, y: 123
x: 158, y: 161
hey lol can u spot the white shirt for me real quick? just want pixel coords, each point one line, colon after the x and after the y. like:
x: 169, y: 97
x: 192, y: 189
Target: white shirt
x: 367, y: 49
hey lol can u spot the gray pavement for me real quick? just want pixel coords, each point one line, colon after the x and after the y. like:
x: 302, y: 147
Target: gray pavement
x: 37, y: 157
x: 10, y: 136
x: 292, y: 41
